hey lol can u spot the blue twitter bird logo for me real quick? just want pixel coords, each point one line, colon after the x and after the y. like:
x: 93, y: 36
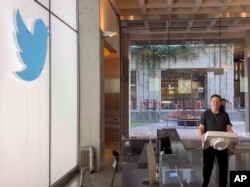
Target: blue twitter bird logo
x: 33, y: 48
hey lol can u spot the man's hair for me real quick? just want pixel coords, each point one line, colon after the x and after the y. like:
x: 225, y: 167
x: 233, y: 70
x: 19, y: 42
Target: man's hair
x: 215, y: 95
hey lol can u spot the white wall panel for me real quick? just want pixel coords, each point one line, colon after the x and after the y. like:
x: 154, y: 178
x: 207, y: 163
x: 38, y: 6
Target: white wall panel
x: 65, y: 10
x: 63, y: 100
x: 24, y: 107
x: 44, y: 3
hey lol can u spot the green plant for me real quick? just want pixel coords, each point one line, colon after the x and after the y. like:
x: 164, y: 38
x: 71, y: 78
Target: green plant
x: 151, y: 56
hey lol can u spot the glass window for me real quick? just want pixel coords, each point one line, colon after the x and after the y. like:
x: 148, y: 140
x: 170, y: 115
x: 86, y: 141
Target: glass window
x: 176, y: 80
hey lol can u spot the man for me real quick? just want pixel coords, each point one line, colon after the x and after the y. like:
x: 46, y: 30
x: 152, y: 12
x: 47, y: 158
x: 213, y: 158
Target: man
x: 214, y: 119
x: 223, y: 104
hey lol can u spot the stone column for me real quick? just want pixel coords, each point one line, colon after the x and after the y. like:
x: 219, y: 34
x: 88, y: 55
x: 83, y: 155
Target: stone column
x: 90, y: 78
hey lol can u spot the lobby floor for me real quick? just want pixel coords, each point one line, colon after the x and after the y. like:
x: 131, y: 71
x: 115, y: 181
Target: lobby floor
x: 238, y: 160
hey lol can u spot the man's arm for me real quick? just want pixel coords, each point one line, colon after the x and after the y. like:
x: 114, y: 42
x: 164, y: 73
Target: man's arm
x: 201, y: 133
x: 229, y: 128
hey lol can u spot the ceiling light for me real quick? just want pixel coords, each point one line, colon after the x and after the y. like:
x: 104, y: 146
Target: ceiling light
x: 108, y: 34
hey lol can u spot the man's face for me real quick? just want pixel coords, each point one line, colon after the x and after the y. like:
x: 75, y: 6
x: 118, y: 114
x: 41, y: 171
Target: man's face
x: 223, y: 102
x: 215, y: 103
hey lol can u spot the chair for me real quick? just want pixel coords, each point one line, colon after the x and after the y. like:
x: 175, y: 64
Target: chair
x: 179, y: 105
x: 143, y: 106
x: 116, y: 157
x: 85, y: 180
x: 151, y: 159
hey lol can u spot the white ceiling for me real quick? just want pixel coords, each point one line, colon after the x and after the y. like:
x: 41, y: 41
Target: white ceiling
x: 180, y: 21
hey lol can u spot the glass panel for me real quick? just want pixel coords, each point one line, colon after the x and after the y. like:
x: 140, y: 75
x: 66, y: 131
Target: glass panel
x: 176, y: 80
